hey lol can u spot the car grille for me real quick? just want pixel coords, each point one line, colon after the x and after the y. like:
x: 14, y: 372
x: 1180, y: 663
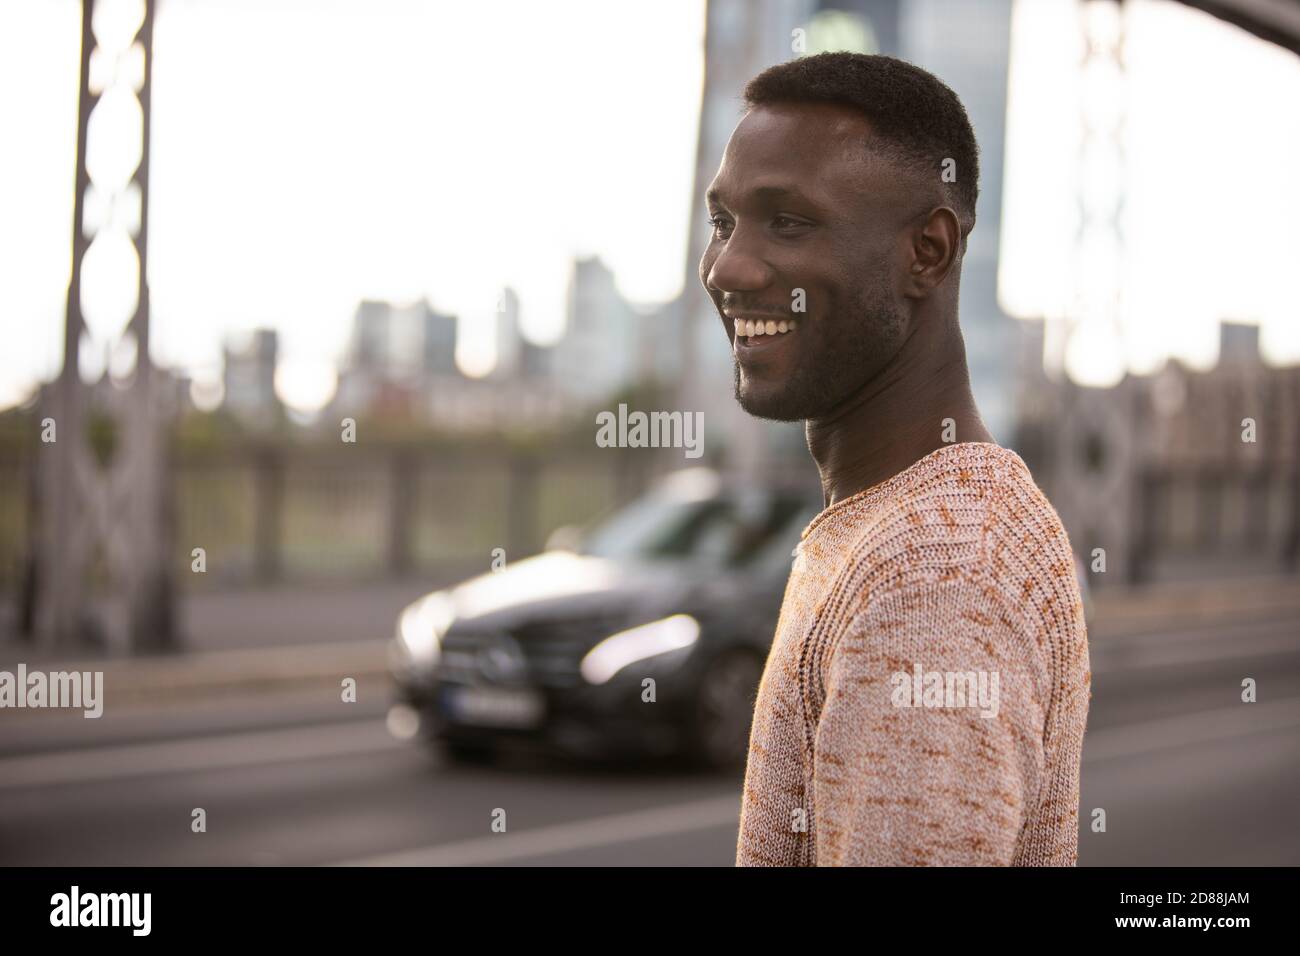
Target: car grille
x: 552, y: 651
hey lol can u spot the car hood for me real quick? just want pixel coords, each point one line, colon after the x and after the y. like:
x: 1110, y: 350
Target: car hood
x: 561, y: 582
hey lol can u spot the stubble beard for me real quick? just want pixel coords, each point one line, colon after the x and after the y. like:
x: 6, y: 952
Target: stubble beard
x: 835, y: 369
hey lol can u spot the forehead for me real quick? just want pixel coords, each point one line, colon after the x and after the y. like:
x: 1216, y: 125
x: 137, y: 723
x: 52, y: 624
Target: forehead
x: 818, y: 149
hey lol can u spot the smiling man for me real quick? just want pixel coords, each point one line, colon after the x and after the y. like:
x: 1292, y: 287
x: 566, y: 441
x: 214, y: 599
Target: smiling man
x: 840, y: 215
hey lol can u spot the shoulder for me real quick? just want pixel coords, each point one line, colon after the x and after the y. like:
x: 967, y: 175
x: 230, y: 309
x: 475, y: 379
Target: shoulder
x: 972, y: 520
x: 968, y: 563
x: 1028, y: 552
x: 942, y: 513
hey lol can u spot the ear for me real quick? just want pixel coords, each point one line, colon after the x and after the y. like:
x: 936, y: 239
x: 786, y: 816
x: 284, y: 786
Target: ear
x: 934, y: 250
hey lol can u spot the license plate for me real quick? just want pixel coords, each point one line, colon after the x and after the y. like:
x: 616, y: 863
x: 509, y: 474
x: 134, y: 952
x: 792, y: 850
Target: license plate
x: 494, y: 707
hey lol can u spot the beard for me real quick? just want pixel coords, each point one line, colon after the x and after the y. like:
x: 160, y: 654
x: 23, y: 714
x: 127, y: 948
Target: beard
x: 841, y: 353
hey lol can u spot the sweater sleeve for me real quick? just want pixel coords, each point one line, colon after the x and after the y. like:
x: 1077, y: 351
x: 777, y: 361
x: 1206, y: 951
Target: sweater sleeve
x: 945, y: 777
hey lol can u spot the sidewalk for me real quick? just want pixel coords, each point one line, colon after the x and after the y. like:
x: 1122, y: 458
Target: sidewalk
x: 278, y: 639
x: 250, y: 639
x: 1169, y: 605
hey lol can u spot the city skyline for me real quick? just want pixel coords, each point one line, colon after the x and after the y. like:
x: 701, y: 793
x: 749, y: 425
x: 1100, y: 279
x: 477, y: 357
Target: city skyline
x: 305, y: 272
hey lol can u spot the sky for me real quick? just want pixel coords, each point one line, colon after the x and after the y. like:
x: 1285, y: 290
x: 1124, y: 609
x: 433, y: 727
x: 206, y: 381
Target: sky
x: 385, y: 149
x: 394, y: 149
x: 1207, y: 174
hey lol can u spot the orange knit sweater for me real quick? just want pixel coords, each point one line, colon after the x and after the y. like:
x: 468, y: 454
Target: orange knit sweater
x: 925, y: 697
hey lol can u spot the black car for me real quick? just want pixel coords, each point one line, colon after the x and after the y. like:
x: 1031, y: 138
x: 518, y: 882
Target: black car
x: 647, y: 637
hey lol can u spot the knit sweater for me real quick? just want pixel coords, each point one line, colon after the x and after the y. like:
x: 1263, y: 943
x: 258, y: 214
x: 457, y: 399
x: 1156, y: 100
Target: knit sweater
x: 925, y: 697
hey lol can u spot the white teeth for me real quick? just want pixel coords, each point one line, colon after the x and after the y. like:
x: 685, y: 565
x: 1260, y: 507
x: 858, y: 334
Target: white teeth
x: 752, y: 327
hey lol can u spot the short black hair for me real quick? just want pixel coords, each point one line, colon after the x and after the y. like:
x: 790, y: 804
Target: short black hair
x: 918, y: 118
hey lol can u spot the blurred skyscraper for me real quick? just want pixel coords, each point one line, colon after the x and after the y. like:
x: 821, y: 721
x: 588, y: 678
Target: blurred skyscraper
x: 249, y: 379
x: 403, y: 341
x: 395, y: 353
x: 968, y: 46
x: 509, y: 340
x: 401, y: 362
x: 597, y: 354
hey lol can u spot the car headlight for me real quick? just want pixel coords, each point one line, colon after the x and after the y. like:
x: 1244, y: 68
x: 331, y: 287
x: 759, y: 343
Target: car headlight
x: 638, y: 643
x: 422, y: 625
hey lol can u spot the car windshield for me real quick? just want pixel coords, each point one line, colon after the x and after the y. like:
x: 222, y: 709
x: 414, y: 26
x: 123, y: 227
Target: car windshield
x: 719, y: 531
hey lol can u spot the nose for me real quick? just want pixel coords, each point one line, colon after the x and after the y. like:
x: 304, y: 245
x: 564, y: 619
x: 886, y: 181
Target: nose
x: 736, y: 268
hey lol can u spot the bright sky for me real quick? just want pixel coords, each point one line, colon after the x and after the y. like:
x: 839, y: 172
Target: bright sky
x: 388, y: 149
x: 1213, y: 132
x: 393, y: 149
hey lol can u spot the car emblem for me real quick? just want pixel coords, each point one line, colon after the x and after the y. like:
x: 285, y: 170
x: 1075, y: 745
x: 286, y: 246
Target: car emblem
x: 500, y: 658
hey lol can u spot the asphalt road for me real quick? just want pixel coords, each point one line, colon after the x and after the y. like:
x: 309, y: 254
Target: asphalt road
x: 1186, y: 774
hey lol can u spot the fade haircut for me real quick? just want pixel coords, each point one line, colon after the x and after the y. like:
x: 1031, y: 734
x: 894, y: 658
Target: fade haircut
x: 916, y: 119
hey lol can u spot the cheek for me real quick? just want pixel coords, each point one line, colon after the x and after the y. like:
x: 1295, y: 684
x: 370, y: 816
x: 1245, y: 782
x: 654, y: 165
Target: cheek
x: 825, y: 296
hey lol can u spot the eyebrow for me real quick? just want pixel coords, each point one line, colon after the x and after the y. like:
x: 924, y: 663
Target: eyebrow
x: 713, y: 195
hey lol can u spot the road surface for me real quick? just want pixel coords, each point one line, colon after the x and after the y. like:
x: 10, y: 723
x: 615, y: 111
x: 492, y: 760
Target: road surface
x: 1186, y: 773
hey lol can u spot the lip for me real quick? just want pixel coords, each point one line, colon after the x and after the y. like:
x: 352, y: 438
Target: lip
x: 751, y: 345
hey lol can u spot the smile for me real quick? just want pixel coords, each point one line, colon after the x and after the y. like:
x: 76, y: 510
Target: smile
x: 748, y: 328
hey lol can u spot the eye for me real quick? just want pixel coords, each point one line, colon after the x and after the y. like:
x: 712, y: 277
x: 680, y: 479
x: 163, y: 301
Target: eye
x: 719, y: 224
x: 786, y: 222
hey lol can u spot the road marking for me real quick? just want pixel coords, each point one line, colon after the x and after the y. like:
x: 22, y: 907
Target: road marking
x: 1204, y: 727
x: 1147, y: 737
x: 195, y: 754
x: 565, y: 837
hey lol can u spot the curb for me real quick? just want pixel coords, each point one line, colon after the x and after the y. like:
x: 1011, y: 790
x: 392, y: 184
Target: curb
x: 212, y: 672
x: 1165, y: 606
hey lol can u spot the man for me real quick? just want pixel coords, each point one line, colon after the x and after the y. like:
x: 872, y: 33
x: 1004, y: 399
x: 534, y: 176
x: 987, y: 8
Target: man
x: 925, y: 697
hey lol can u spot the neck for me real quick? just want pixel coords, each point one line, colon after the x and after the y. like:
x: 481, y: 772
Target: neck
x: 897, y: 418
